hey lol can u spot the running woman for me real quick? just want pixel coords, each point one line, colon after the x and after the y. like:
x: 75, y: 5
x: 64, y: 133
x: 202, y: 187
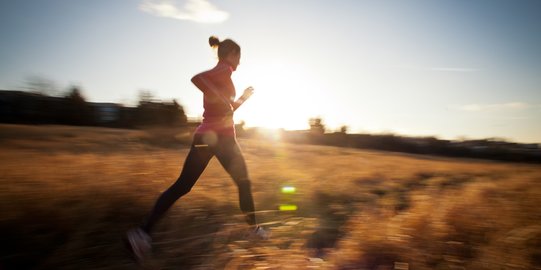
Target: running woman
x: 214, y: 137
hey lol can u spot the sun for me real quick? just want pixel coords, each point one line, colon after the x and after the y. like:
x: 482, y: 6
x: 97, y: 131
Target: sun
x: 281, y: 98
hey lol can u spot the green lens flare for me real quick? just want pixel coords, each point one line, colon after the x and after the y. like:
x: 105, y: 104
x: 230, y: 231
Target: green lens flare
x: 288, y: 189
x: 288, y: 207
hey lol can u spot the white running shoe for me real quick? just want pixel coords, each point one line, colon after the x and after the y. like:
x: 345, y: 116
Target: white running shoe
x: 260, y: 233
x: 139, y: 243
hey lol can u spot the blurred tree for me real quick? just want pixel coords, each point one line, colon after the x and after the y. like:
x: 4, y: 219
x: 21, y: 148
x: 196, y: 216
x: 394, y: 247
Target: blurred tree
x: 74, y: 94
x: 145, y: 96
x: 179, y: 114
x: 151, y: 111
x: 239, y: 128
x: 316, y: 125
x: 40, y: 85
x: 77, y: 110
x: 344, y: 129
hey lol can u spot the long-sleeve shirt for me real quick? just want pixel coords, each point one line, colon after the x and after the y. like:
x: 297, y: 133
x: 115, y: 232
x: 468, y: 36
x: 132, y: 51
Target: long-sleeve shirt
x: 218, y: 99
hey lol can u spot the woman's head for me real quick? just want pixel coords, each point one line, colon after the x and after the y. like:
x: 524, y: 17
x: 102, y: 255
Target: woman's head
x: 228, y: 50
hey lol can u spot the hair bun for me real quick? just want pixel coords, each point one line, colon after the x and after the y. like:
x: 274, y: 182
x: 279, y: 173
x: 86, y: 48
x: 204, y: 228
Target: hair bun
x: 214, y: 41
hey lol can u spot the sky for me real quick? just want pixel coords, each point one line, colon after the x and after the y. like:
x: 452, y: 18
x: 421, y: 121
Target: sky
x: 453, y: 69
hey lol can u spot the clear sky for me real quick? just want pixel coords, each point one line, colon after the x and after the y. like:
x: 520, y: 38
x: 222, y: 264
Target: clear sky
x: 455, y: 68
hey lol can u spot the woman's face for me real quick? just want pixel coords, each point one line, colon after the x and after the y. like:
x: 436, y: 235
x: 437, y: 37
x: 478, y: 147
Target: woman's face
x: 233, y: 59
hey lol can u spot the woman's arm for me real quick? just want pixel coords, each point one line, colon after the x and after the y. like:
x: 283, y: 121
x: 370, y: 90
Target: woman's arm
x: 208, y: 88
x: 247, y: 93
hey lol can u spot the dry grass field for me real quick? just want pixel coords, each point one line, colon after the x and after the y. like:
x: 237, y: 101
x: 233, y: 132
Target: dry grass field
x: 68, y: 194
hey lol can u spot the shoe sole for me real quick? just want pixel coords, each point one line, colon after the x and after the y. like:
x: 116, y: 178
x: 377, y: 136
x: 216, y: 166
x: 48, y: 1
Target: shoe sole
x: 128, y: 244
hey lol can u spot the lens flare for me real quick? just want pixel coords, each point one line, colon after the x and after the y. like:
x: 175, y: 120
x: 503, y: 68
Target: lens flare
x: 288, y: 190
x: 288, y: 207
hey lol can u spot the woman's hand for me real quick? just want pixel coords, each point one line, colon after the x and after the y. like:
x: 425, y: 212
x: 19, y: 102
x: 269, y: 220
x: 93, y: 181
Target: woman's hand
x: 247, y: 94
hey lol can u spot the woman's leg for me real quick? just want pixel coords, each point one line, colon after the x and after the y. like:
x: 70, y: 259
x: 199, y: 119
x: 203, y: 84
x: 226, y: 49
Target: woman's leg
x: 195, y: 163
x: 230, y: 156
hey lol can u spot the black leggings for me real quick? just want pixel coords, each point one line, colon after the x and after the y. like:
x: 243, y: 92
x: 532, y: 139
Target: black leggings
x: 203, y: 148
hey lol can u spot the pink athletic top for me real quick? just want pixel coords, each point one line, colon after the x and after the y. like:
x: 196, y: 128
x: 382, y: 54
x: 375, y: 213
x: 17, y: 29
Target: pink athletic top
x: 218, y: 99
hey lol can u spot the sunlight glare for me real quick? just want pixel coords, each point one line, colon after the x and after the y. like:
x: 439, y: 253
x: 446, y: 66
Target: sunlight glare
x: 284, y: 95
x: 272, y: 134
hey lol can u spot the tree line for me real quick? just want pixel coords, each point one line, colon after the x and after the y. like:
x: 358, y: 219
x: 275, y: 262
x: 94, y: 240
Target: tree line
x: 490, y: 148
x: 23, y: 107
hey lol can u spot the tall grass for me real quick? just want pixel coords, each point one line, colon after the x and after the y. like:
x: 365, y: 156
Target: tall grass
x: 69, y: 194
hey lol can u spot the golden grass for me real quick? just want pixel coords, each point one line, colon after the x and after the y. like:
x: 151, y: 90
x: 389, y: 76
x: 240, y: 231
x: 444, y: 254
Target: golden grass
x: 68, y: 194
